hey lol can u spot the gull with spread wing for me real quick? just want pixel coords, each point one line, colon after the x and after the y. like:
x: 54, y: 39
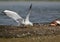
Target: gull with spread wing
x: 18, y: 18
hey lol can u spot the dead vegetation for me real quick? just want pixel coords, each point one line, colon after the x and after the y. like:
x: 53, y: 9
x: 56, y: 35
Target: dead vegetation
x: 24, y: 31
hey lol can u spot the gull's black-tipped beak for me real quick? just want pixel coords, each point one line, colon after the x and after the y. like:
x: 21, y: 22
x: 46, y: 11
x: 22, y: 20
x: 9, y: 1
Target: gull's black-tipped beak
x: 3, y: 13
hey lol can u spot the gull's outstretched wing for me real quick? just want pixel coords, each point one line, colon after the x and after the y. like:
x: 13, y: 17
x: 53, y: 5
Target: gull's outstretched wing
x: 29, y: 11
x: 27, y: 22
x: 14, y: 15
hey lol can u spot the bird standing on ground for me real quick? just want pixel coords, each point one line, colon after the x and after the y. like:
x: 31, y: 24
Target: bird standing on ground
x: 55, y: 22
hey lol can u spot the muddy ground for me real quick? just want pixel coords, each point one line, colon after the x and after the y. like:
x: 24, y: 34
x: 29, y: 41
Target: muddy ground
x: 28, y: 31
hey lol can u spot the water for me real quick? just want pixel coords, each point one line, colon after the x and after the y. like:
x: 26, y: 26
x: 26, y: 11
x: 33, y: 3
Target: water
x: 41, y: 11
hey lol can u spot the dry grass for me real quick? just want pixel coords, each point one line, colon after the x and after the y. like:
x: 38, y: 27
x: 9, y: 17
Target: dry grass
x: 37, y: 33
x: 33, y: 39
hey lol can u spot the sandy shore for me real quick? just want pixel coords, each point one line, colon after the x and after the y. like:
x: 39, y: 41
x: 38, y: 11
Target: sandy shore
x: 26, y: 31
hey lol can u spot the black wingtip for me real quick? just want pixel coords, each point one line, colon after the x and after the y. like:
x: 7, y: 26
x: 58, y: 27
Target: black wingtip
x: 3, y: 13
x: 30, y: 7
